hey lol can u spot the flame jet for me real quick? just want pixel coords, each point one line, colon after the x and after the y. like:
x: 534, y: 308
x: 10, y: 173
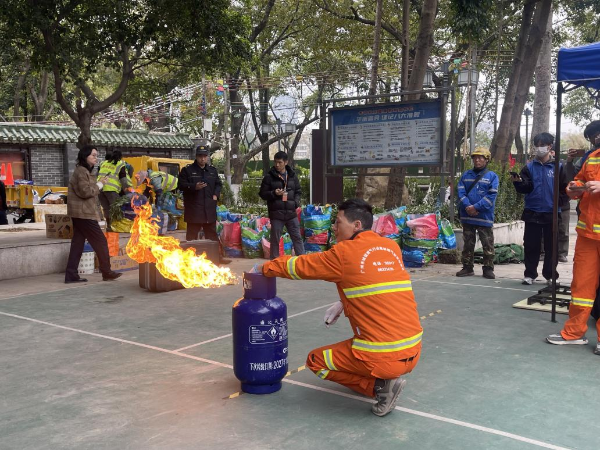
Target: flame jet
x: 174, y: 263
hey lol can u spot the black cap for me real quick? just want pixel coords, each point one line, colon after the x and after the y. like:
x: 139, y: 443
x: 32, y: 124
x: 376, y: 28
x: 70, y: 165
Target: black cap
x: 202, y: 150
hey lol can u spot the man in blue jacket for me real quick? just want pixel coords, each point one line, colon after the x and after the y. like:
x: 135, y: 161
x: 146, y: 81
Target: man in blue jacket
x: 477, y: 191
x: 536, y: 181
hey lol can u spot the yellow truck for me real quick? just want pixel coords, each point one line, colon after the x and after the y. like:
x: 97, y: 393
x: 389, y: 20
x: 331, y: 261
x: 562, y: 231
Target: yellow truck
x: 20, y: 199
x: 167, y: 165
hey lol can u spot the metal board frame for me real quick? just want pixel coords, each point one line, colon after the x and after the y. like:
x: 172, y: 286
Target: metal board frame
x: 439, y: 108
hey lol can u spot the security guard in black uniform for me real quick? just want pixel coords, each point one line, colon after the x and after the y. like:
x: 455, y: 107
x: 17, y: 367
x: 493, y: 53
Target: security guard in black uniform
x: 201, y: 186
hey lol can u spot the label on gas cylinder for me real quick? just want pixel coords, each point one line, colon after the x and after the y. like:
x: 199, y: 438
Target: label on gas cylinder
x: 268, y: 332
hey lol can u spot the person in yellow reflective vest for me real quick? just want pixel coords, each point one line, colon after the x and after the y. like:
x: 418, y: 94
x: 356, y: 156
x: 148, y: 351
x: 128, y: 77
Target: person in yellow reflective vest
x: 117, y: 179
x: 157, y: 181
x: 376, y: 295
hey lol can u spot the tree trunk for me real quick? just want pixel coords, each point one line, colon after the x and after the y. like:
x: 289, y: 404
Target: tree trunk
x: 543, y: 73
x: 19, y: 91
x: 85, y: 125
x: 264, y: 97
x: 423, y: 49
x: 519, y: 145
x: 526, y: 55
x: 360, y: 182
x: 237, y: 114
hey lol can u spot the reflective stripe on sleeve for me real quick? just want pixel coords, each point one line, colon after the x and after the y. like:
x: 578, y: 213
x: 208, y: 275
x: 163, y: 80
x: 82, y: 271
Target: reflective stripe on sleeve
x: 580, y: 224
x: 322, y: 374
x: 379, y: 288
x: 386, y: 347
x: 328, y: 357
x: 597, y: 228
x: 291, y: 268
x: 595, y: 160
x: 584, y: 302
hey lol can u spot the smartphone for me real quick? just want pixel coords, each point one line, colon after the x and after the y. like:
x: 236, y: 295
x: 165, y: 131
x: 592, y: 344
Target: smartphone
x: 578, y: 188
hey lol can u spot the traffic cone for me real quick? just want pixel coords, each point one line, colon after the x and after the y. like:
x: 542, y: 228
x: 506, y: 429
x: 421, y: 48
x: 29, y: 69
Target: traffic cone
x: 9, y: 176
x: 3, y: 172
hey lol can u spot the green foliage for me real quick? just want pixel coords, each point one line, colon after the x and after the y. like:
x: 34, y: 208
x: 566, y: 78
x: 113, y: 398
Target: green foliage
x: 248, y: 194
x: 349, y: 189
x: 579, y: 107
x: 470, y: 19
x: 509, y: 204
x: 227, y: 197
x: 304, y: 177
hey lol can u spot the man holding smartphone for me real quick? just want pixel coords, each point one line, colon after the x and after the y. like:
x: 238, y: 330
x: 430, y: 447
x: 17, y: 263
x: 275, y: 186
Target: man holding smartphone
x: 201, y: 186
x: 281, y: 190
x: 586, y: 262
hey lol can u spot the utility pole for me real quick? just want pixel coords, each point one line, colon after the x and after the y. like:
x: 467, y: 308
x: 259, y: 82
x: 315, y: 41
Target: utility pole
x: 473, y: 87
x: 527, y: 113
x: 227, y: 134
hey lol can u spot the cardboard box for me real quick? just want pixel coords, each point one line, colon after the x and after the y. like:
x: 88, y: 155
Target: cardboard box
x: 59, y: 226
x: 119, y: 263
x: 40, y: 211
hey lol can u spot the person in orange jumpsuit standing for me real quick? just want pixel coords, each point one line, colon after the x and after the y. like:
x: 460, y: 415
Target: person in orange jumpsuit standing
x: 376, y: 296
x: 586, y: 262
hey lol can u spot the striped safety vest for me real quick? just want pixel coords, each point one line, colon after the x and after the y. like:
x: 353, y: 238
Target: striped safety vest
x: 169, y: 182
x: 111, y: 171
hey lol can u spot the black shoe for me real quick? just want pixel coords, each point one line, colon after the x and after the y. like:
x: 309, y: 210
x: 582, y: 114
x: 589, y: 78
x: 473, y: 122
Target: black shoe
x: 488, y: 273
x: 78, y: 280
x: 562, y: 259
x: 465, y: 272
x: 225, y: 261
x: 111, y: 276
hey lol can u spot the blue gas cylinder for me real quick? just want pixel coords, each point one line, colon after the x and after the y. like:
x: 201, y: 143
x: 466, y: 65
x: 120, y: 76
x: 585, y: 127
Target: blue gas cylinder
x: 259, y: 321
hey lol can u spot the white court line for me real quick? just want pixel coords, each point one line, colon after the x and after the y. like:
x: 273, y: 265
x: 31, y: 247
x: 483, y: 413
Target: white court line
x: 229, y: 335
x: 299, y: 383
x: 432, y: 416
x: 476, y: 285
x: 123, y: 341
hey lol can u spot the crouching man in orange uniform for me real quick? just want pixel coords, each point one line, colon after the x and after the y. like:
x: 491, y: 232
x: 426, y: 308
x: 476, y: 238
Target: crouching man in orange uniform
x: 586, y: 262
x: 376, y: 296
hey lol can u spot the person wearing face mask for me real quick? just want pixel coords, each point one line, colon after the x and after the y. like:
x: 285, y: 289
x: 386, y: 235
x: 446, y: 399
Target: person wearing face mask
x: 536, y: 181
x: 586, y: 262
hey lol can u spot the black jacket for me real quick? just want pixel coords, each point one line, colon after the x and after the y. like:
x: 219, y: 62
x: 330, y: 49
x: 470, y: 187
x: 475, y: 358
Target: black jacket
x: 278, y: 209
x: 199, y: 206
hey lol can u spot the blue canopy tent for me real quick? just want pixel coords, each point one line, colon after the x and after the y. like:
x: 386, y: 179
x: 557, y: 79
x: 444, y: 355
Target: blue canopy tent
x: 578, y: 67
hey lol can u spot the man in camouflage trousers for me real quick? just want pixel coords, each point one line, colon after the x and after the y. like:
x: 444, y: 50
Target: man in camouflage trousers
x: 477, y: 191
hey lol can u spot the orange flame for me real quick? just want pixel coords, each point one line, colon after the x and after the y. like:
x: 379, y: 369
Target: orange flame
x: 174, y: 263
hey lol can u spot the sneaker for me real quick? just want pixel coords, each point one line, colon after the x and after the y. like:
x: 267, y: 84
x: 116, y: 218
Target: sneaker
x: 562, y: 259
x: 465, y: 272
x: 387, y: 396
x: 549, y: 282
x: 488, y: 273
x: 112, y: 275
x: 597, y: 350
x: 557, y: 339
x: 528, y: 281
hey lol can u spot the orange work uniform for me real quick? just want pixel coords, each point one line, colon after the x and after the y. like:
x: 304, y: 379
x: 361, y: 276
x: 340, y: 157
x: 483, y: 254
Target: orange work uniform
x: 378, y: 300
x: 586, y: 262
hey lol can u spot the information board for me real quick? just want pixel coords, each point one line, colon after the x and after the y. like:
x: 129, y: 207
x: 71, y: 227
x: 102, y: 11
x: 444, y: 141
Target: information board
x: 395, y: 134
